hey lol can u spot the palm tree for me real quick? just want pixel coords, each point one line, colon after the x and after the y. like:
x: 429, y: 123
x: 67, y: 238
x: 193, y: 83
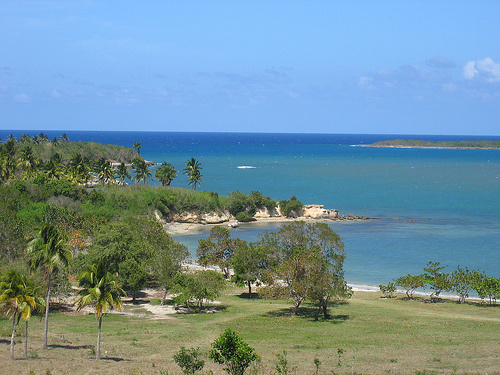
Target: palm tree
x: 54, y: 167
x: 78, y: 170
x: 64, y: 138
x: 27, y: 162
x: 101, y: 292
x: 142, y: 171
x: 193, y: 171
x: 19, y: 296
x: 166, y: 173
x: 122, y: 172
x: 104, y: 170
x: 137, y: 146
x: 47, y: 251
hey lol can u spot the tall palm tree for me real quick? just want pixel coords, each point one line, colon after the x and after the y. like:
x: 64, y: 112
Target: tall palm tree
x: 19, y: 296
x: 100, y: 291
x: 104, y: 171
x: 166, y: 173
x: 122, y: 173
x: 78, y: 170
x: 142, y: 171
x: 54, y: 167
x: 47, y: 251
x: 27, y: 162
x: 64, y: 138
x: 193, y: 172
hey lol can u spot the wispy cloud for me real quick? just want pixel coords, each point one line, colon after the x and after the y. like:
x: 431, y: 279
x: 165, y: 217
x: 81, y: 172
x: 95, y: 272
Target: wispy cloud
x: 22, y: 98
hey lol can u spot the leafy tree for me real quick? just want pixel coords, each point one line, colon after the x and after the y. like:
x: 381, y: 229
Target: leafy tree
x: 488, y: 287
x: 132, y: 276
x: 167, y: 263
x: 100, y: 291
x: 438, y: 281
x: 19, y: 296
x: 410, y: 283
x: 137, y: 147
x: 197, y: 287
x: 240, y: 206
x: 47, y: 251
x: 217, y: 249
x: 166, y: 173
x: 262, y: 201
x: 388, y: 289
x: 193, y: 172
x: 299, y: 249
x: 230, y: 350
x: 250, y: 262
x: 189, y: 360
x: 463, y: 281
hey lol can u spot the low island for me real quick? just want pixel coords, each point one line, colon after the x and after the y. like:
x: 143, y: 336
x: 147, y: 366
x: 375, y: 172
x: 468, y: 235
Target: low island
x: 415, y: 143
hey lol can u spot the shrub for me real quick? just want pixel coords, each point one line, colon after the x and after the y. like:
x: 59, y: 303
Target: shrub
x: 189, y: 360
x: 292, y: 207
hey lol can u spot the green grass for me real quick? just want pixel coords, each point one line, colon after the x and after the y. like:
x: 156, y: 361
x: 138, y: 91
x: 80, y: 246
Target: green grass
x: 378, y: 336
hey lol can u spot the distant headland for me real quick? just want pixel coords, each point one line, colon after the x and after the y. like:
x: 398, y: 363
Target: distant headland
x: 415, y: 143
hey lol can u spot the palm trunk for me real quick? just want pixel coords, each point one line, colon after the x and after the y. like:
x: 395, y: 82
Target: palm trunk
x: 47, y: 300
x: 26, y: 340
x: 14, y: 318
x: 98, y: 347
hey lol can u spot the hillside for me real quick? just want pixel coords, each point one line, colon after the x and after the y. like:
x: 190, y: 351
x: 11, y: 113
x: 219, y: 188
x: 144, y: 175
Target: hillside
x: 437, y: 144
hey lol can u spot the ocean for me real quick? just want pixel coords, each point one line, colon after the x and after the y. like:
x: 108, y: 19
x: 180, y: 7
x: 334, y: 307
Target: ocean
x: 440, y: 205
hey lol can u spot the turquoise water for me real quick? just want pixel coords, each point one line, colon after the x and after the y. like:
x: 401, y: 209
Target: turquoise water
x: 432, y: 204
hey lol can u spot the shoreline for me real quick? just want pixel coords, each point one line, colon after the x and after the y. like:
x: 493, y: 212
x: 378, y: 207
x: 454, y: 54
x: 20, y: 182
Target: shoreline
x: 180, y: 228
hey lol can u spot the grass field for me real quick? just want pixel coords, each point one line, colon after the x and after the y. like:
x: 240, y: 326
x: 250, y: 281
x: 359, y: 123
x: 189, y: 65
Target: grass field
x: 377, y: 336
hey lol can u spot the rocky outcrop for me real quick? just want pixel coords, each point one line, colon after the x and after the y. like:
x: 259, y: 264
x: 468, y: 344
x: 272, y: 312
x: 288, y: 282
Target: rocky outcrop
x: 206, y: 218
x: 264, y: 213
x: 317, y: 211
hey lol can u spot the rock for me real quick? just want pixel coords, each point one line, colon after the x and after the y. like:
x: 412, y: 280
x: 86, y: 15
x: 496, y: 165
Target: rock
x: 264, y: 213
x: 317, y: 211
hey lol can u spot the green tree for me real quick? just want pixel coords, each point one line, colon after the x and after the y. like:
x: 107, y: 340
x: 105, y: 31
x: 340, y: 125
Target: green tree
x: 410, y: 283
x: 250, y: 262
x: 54, y: 167
x: 291, y: 253
x: 104, y: 171
x: 132, y: 276
x: 47, y: 251
x: 64, y: 138
x: 142, y: 171
x: 217, y: 249
x: 230, y: 350
x: 189, y: 360
x: 292, y: 207
x: 165, y: 173
x: 197, y: 287
x: 388, y: 289
x: 463, y: 281
x: 437, y: 280
x: 19, y: 297
x: 100, y: 291
x: 78, y: 171
x: 28, y: 163
x: 167, y: 263
x: 488, y: 287
x: 137, y: 147
x: 193, y: 172
x: 122, y: 173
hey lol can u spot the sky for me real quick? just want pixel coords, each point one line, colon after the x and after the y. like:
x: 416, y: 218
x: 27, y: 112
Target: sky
x: 376, y: 67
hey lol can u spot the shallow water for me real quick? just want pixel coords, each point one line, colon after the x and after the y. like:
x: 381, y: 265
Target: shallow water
x: 432, y: 204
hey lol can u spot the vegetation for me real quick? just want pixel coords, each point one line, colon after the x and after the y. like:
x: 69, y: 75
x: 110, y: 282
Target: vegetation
x: 438, y: 144
x: 292, y: 207
x: 100, y: 291
x: 230, y: 350
x: 189, y: 360
x: 193, y: 172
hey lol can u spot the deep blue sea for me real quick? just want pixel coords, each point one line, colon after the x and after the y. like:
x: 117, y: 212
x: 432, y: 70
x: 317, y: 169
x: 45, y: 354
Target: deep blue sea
x: 431, y: 204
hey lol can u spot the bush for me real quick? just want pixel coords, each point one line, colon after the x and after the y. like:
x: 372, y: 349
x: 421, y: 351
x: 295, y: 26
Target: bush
x: 240, y: 203
x: 189, y: 360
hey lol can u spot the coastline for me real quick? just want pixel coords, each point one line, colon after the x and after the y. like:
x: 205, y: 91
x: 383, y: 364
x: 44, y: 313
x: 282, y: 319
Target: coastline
x: 429, y: 147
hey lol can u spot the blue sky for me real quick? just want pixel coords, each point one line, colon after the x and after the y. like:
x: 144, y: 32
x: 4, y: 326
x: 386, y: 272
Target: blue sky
x: 400, y: 67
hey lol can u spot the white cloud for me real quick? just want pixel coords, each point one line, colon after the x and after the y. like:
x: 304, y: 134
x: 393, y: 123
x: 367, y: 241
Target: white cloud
x: 485, y: 69
x: 22, y: 98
